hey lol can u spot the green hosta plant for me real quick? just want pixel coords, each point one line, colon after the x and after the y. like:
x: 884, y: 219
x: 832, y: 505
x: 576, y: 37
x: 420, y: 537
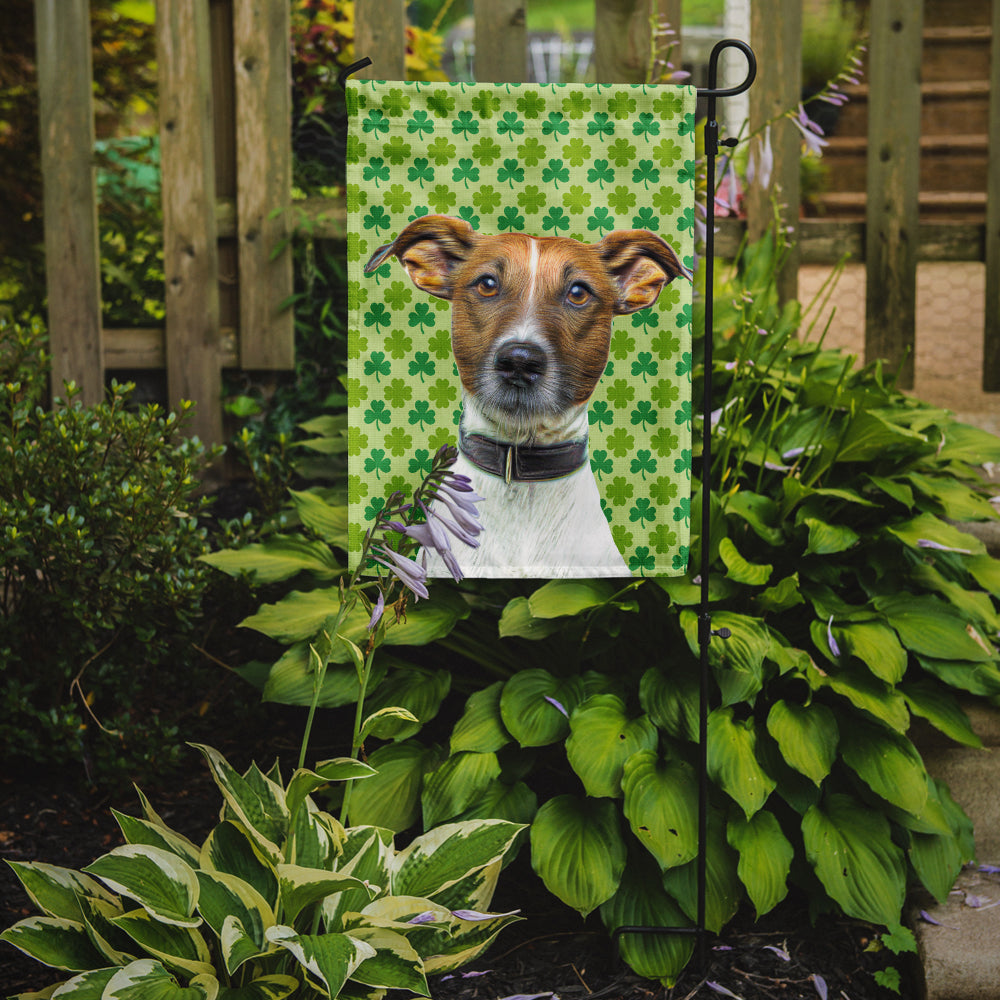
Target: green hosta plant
x: 279, y: 900
x: 854, y: 605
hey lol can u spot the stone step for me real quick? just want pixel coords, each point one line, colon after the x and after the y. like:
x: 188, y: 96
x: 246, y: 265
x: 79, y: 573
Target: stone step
x: 947, y: 163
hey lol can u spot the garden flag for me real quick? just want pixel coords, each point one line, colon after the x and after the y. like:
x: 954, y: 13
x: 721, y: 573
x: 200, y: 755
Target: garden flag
x: 519, y: 270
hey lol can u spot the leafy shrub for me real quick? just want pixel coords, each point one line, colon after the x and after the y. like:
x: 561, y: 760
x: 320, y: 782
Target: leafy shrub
x: 279, y: 899
x: 99, y: 539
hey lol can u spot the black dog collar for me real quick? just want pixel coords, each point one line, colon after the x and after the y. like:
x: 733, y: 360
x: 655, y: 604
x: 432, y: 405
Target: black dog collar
x: 522, y: 463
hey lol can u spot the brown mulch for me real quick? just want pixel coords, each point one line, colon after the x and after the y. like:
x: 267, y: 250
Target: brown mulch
x: 550, y: 953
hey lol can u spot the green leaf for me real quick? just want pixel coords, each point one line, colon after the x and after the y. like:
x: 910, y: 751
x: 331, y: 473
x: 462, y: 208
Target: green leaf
x: 986, y: 571
x: 578, y: 851
x: 965, y: 443
x: 741, y: 571
x: 931, y: 628
x: 937, y: 859
x: 864, y: 692
x: 327, y: 520
x: 828, y: 539
x: 640, y: 901
x: 304, y: 782
x: 738, y: 661
x: 181, y: 948
x: 732, y: 760
x: 928, y: 528
x: 850, y: 848
x: 301, y: 887
x: 292, y: 679
x: 558, y: 598
x: 807, y: 736
x: 976, y: 678
x: 723, y: 889
x: 418, y: 690
x: 527, y: 711
x: 279, y: 558
x: 783, y: 595
x: 274, y: 987
x: 671, y: 700
x: 147, y: 979
x: 54, y: 941
x: 601, y: 739
x: 456, y: 784
x: 395, y: 964
x: 876, y: 646
x: 440, y: 858
x: 888, y: 763
x: 870, y: 436
x: 330, y: 959
x: 481, y: 728
x: 765, y: 858
x: 163, y: 884
x: 516, y: 803
x: 391, y: 798
x: 56, y: 891
x: 385, y: 723
x: 941, y: 709
x: 660, y: 805
x: 760, y: 512
x: 517, y: 620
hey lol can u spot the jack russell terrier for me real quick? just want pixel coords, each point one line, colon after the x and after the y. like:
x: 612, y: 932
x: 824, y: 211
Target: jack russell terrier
x: 530, y: 330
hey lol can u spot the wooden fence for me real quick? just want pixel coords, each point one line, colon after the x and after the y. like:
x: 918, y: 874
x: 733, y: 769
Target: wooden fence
x: 226, y: 161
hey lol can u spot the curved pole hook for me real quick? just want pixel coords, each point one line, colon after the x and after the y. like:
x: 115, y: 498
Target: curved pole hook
x: 712, y: 90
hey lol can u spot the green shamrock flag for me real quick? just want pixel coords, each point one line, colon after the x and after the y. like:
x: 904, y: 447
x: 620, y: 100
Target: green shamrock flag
x: 452, y: 309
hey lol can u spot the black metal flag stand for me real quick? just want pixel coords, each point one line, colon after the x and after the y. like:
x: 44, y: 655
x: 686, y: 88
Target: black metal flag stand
x: 705, y: 631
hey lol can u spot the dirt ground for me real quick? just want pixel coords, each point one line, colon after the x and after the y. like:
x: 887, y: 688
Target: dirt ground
x: 949, y: 348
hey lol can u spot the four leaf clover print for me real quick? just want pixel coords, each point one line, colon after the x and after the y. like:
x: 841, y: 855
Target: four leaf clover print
x: 558, y: 160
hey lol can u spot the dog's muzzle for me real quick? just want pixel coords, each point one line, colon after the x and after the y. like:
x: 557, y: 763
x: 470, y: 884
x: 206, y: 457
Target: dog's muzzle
x: 520, y: 364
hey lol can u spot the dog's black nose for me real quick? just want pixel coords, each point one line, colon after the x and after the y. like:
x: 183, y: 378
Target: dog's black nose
x: 520, y: 363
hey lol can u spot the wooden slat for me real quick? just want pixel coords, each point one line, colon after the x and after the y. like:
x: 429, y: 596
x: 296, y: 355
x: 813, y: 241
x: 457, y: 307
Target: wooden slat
x: 190, y: 254
x: 991, y: 332
x: 72, y: 257
x: 501, y: 41
x: 776, y: 36
x: 621, y: 40
x: 893, y: 184
x: 262, y: 62
x: 144, y: 348
x: 380, y: 34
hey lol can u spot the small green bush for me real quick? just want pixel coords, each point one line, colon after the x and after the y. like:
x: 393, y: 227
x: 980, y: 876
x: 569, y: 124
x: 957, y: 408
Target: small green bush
x: 99, y: 579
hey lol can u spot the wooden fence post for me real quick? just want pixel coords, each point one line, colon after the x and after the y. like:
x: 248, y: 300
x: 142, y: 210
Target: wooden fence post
x: 190, y: 251
x: 893, y: 183
x: 623, y: 38
x: 776, y: 35
x: 72, y: 255
x: 262, y: 61
x: 380, y: 34
x: 501, y: 41
x: 991, y: 333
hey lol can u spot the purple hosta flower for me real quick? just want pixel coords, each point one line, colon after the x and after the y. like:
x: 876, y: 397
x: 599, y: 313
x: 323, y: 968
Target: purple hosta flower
x: 377, y: 611
x: 927, y: 543
x: 409, y: 573
x: 719, y: 988
x: 427, y: 917
x: 780, y: 952
x: 727, y: 197
x: 760, y: 164
x: 557, y: 704
x: 989, y: 869
x: 820, y: 984
x: 812, y: 134
x: 831, y: 642
x: 475, y: 915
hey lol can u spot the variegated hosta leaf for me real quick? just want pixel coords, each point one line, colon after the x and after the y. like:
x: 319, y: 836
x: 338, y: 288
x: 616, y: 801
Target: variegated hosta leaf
x: 54, y: 941
x: 56, y: 891
x: 578, y: 851
x: 149, y: 980
x: 850, y: 847
x: 86, y: 986
x: 225, y: 897
x: 476, y: 890
x: 807, y: 736
x: 238, y: 944
x: 329, y: 959
x: 300, y: 887
x: 723, y: 889
x: 602, y: 737
x: 315, y: 838
x: 481, y: 728
x: 661, y: 799
x: 367, y: 853
x: 158, y: 880
x: 468, y: 939
x: 441, y: 857
x: 765, y: 858
x: 116, y: 946
x: 304, y: 782
x: 256, y: 801
x: 732, y: 760
x: 230, y: 849
x: 456, y: 784
x: 642, y: 902
x: 395, y: 964
x: 177, y: 947
x: 275, y: 987
x: 141, y: 831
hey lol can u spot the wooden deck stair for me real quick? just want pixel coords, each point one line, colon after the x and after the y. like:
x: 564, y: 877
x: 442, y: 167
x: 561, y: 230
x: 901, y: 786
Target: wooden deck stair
x: 955, y: 93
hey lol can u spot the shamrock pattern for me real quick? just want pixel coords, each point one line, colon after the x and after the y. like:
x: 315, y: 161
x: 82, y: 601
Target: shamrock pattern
x: 576, y: 160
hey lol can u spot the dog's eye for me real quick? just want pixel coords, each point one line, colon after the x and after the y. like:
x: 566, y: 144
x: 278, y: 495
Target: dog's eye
x: 487, y: 285
x: 578, y: 295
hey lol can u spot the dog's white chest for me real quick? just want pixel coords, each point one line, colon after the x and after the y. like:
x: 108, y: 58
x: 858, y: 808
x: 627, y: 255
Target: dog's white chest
x: 554, y: 528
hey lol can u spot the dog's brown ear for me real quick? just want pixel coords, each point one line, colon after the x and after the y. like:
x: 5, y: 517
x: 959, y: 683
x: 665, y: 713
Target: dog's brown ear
x: 429, y: 248
x: 641, y: 264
